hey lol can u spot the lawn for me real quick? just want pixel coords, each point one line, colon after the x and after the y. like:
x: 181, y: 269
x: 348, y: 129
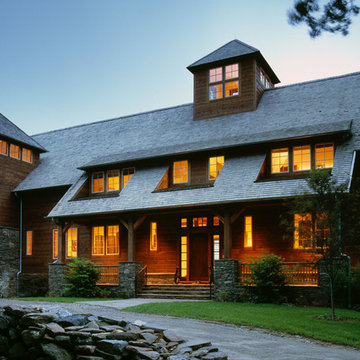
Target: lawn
x: 62, y: 299
x: 293, y: 320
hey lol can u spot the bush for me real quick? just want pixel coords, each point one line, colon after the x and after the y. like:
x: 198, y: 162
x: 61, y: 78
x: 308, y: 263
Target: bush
x: 355, y: 285
x: 267, y: 279
x: 81, y: 277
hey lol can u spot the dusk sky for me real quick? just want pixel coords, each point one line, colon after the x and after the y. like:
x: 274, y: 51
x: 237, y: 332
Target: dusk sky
x: 67, y: 62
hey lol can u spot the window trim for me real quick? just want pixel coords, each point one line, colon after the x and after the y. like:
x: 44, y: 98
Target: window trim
x: 92, y: 182
x: 153, y: 246
x: 106, y: 240
x: 122, y: 176
x: 218, y: 252
x: 246, y: 245
x: 187, y: 170
x: 14, y: 157
x: 288, y: 162
x: 107, y: 180
x: 77, y: 244
x: 53, y: 241
x: 31, y: 155
x: 213, y: 179
x: 293, y: 158
x: 7, y: 148
x: 27, y: 252
x: 333, y: 155
x: 92, y: 240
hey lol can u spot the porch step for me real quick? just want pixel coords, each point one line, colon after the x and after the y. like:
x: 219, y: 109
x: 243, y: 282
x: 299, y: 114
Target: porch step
x: 181, y: 291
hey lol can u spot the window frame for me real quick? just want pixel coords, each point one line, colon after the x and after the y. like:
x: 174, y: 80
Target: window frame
x: 6, y: 147
x: 333, y: 154
x: 187, y: 172
x: 122, y: 176
x: 107, y: 180
x: 153, y: 232
x: 93, y: 240
x: 293, y: 158
x: 224, y: 80
x: 22, y: 155
x: 217, y: 173
x: 53, y: 244
x: 92, y: 182
x: 248, y: 244
x: 117, y: 241
x: 19, y: 151
x: 288, y: 161
x: 67, y: 242
x: 218, y: 251
x: 31, y: 238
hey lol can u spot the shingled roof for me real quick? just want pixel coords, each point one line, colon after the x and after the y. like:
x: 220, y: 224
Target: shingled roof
x: 12, y: 132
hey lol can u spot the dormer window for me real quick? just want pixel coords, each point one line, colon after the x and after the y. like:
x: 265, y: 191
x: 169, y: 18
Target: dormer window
x: 98, y: 182
x: 219, y: 82
x: 14, y: 151
x: 3, y: 147
x: 324, y: 156
x: 127, y: 175
x: 302, y: 158
x: 180, y: 169
x: 216, y: 163
x: 279, y: 160
x: 113, y: 180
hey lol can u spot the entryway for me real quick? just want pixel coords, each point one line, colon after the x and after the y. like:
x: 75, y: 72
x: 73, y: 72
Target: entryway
x: 199, y: 257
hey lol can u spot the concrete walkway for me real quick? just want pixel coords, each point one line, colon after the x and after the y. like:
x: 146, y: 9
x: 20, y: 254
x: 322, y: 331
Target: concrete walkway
x: 239, y: 343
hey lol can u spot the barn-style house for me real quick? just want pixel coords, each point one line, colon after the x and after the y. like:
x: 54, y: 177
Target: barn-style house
x: 170, y: 193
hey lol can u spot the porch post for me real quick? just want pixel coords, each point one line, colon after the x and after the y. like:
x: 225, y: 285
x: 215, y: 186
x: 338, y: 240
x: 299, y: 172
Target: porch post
x: 130, y: 229
x: 227, y: 236
x: 60, y: 257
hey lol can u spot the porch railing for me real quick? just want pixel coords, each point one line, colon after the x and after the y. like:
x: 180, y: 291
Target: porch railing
x: 297, y: 274
x: 109, y: 274
x: 141, y: 279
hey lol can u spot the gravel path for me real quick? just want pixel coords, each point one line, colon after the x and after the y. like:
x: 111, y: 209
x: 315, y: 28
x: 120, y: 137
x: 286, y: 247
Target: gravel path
x: 239, y: 343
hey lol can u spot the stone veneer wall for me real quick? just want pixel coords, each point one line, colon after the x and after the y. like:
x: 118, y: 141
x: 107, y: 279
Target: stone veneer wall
x: 9, y: 260
x: 127, y: 276
x: 56, y: 279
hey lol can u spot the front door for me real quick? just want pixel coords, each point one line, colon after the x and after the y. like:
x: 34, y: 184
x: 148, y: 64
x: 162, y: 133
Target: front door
x: 198, y: 257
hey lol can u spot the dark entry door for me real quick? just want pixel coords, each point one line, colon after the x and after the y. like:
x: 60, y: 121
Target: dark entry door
x: 198, y: 257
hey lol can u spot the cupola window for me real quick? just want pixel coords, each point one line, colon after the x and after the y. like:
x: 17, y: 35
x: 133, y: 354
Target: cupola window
x: 220, y: 85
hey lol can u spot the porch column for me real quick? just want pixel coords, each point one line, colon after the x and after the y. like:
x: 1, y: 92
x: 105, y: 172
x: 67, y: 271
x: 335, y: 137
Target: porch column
x: 130, y: 228
x: 227, y: 235
x: 60, y: 257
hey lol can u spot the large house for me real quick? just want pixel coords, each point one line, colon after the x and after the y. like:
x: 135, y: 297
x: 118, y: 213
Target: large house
x: 177, y: 189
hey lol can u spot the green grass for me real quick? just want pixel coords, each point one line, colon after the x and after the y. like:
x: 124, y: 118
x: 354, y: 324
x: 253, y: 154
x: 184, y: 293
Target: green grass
x: 282, y: 318
x: 62, y: 299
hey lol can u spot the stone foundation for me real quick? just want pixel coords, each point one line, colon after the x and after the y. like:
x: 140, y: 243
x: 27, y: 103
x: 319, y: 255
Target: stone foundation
x: 160, y: 279
x: 56, y: 281
x: 127, y: 277
x: 9, y: 260
x: 32, y: 284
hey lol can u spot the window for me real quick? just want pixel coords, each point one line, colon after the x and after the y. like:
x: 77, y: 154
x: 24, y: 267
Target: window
x: 180, y: 169
x: 302, y: 231
x: 153, y: 236
x: 324, y: 156
x: 267, y: 82
x: 216, y: 221
x: 183, y: 222
x: 98, y: 182
x: 113, y: 180
x: 71, y: 243
x: 302, y: 158
x: 55, y: 243
x: 200, y: 222
x: 29, y: 242
x: 3, y: 147
x: 279, y: 160
x: 127, y: 175
x: 26, y: 155
x: 215, y: 165
x: 183, y: 260
x: 248, y: 240
x: 216, y: 244
x: 98, y: 241
x: 112, y: 240
x: 218, y: 82
x: 262, y: 77
x: 14, y: 151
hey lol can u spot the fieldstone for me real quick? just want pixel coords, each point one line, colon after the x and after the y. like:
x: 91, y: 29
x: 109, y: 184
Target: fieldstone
x: 4, y: 344
x: 85, y: 349
x: 139, y: 323
x: 79, y: 334
x: 194, y: 345
x: 34, y: 319
x: 171, y: 337
x: 73, y: 320
x: 179, y: 357
x: 105, y: 355
x: 156, y: 328
x: 31, y: 337
x: 13, y: 334
x: 100, y: 336
x: 141, y: 343
x: 150, y: 338
x: 33, y: 353
x: 5, y: 321
x: 73, y: 328
x: 132, y: 327
x: 17, y: 351
x: 91, y: 325
x: 144, y: 353
x: 112, y: 346
x: 55, y: 352
x: 218, y: 355
x: 63, y: 340
x: 54, y: 329
x: 17, y: 311
x: 200, y: 352
x: 110, y: 328
x: 122, y: 336
x: 63, y: 313
x: 84, y: 357
x: 121, y: 323
x: 83, y: 341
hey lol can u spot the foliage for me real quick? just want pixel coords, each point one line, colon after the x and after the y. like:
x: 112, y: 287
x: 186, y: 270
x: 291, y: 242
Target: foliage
x: 267, y: 279
x: 224, y: 296
x: 81, y: 276
x: 332, y: 16
x: 303, y: 321
x: 355, y: 285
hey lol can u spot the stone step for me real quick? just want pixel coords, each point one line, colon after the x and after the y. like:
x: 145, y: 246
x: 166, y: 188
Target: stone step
x: 174, y: 296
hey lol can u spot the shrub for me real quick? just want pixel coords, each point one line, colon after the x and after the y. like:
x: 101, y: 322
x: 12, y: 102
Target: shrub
x: 267, y: 279
x: 81, y: 277
x: 355, y: 285
x: 224, y: 296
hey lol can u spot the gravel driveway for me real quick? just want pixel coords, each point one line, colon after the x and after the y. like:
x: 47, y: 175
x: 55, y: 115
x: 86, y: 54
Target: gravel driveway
x: 239, y: 343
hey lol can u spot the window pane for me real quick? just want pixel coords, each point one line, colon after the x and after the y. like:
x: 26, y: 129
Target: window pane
x: 279, y: 160
x: 112, y: 240
x: 14, y: 151
x: 232, y: 71
x: 55, y: 243
x: 248, y: 241
x: 184, y: 222
x: 216, y: 244
x: 216, y: 221
x: 302, y: 158
x: 215, y: 166
x: 200, y: 222
x: 127, y: 175
x: 324, y: 156
x: 3, y: 147
x: 113, y: 180
x: 153, y: 236
x: 215, y: 92
x: 98, y: 241
x: 183, y: 256
x: 98, y: 182
x: 262, y: 77
x: 231, y: 88
x: 71, y: 243
x: 26, y: 155
x: 302, y: 231
x: 180, y: 171
x: 215, y: 74
x: 29, y: 243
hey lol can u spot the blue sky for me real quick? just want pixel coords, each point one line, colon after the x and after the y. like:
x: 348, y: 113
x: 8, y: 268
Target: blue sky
x: 67, y: 62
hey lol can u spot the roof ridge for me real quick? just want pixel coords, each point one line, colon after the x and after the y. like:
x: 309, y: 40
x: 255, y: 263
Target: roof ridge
x: 115, y: 118
x: 316, y: 80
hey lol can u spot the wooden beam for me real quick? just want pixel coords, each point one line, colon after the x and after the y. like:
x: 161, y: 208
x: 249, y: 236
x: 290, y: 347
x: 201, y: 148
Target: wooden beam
x: 221, y: 218
x: 131, y: 243
x: 235, y: 216
x: 227, y: 236
x: 139, y: 221
x: 124, y: 223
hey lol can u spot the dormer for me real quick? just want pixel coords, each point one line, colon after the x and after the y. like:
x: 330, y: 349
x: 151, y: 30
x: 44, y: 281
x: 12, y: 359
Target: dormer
x: 230, y: 80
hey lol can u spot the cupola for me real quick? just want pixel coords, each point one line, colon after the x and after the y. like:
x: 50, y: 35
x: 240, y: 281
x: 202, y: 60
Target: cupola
x: 230, y: 80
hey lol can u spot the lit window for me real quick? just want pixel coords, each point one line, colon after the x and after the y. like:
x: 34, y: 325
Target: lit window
x: 112, y: 240
x: 184, y: 257
x: 231, y: 88
x: 184, y: 222
x: 113, y: 180
x: 262, y: 77
x: 26, y: 155
x: 215, y: 92
x: 127, y: 175
x: 215, y: 165
x: 231, y: 71
x: 200, y: 222
x: 216, y: 221
x: 215, y: 75
x: 29, y: 243
x: 55, y: 243
x: 216, y: 243
x: 324, y: 156
x: 267, y: 82
x: 14, y: 151
x: 3, y: 147
x: 180, y: 171
x: 71, y: 243
x: 302, y: 158
x: 98, y: 182
x: 302, y: 231
x: 279, y: 160
x: 248, y: 241
x: 153, y: 236
x: 98, y: 240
